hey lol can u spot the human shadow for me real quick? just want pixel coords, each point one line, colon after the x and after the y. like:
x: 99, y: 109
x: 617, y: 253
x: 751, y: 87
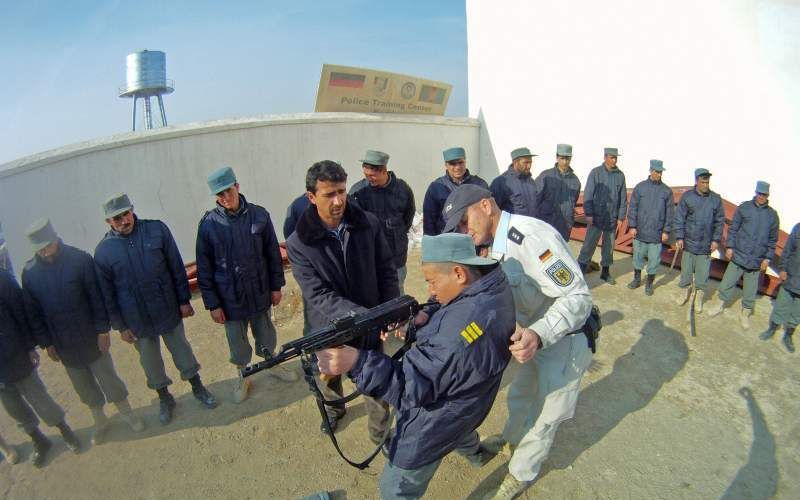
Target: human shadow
x: 758, y: 478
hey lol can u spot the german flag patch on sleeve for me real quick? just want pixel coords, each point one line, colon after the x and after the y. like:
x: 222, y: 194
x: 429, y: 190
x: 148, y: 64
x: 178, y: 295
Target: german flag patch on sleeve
x: 471, y: 332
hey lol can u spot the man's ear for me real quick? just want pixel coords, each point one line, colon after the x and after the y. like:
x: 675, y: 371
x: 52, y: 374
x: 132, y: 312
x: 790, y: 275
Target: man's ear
x: 462, y: 276
x: 311, y: 197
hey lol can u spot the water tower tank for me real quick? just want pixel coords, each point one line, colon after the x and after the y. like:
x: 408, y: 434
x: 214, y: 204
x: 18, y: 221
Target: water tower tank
x: 146, y: 77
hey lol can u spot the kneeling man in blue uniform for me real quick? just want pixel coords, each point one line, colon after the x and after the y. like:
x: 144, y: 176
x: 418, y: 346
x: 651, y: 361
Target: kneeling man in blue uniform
x: 447, y: 382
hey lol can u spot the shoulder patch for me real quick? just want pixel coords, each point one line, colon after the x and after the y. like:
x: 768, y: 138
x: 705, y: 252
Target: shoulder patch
x: 515, y: 236
x: 471, y: 332
x: 560, y: 274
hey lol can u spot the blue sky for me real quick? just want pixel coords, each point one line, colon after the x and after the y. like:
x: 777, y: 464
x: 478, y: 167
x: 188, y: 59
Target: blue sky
x: 63, y: 61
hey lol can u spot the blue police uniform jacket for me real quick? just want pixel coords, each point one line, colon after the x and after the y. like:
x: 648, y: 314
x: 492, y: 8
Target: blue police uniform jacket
x: 790, y: 261
x: 605, y: 198
x: 293, y: 214
x: 64, y: 305
x: 558, y: 195
x: 753, y: 234
x: 698, y: 221
x: 516, y: 193
x: 15, y: 337
x: 436, y: 195
x: 447, y: 382
x: 393, y: 205
x: 142, y: 278
x: 652, y: 210
x: 238, y: 260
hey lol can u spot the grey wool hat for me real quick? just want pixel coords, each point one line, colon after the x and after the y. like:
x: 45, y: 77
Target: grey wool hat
x: 520, y: 152
x: 41, y: 234
x: 700, y: 172
x: 611, y: 152
x: 376, y: 158
x: 221, y: 179
x: 657, y: 165
x: 452, y: 247
x: 454, y: 154
x: 459, y: 200
x: 762, y: 187
x: 564, y: 150
x: 117, y: 204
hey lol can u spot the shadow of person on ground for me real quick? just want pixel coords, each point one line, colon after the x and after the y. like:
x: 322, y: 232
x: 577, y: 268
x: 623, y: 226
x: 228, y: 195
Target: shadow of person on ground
x: 758, y: 478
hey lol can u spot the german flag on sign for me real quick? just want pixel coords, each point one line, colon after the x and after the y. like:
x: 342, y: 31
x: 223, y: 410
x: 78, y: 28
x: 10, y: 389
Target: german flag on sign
x: 346, y: 80
x: 433, y: 95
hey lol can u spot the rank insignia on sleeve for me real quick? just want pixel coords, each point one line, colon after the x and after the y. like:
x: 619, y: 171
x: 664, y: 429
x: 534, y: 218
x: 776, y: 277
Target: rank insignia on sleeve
x: 560, y: 274
x: 515, y: 236
x: 471, y: 332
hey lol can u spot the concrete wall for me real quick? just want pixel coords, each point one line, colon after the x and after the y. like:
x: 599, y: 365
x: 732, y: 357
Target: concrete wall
x: 164, y: 170
x: 697, y: 84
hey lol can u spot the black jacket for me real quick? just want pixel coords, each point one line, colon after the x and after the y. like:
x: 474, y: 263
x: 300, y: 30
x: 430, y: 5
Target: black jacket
x: 394, y: 207
x: 516, y: 193
x: 238, y: 260
x: 338, y: 275
x: 436, y: 195
x: 652, y: 210
x: 15, y: 338
x: 698, y: 221
x: 558, y: 194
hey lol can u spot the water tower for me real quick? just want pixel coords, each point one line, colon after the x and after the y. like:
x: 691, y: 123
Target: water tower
x: 146, y: 78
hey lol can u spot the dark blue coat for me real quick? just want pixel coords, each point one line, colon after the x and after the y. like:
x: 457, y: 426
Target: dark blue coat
x: 238, y: 260
x: 142, y: 278
x: 15, y: 339
x: 64, y: 304
x: 394, y: 207
x: 337, y: 275
x: 698, y: 221
x: 605, y: 198
x: 558, y: 195
x: 516, y: 193
x: 652, y: 211
x: 445, y: 385
x: 436, y: 195
x: 753, y: 234
x: 293, y: 214
x: 790, y: 261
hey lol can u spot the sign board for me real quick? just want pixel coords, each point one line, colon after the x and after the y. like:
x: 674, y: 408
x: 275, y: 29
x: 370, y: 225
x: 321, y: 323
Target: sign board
x: 343, y: 88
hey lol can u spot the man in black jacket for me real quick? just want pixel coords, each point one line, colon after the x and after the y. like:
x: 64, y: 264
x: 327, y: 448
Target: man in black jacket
x: 343, y: 264
x: 391, y: 200
x: 21, y: 390
x: 69, y: 320
x: 240, y: 274
x: 147, y: 295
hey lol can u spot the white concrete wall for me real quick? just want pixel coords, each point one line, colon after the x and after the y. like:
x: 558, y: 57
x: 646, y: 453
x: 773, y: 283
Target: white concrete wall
x: 708, y: 84
x: 164, y: 171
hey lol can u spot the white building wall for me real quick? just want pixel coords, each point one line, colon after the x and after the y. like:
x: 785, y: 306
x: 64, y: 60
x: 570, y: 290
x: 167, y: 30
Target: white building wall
x: 164, y: 170
x: 708, y: 84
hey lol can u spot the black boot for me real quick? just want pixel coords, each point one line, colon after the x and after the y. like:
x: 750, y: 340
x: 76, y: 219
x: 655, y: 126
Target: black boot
x: 166, y: 403
x: 69, y: 437
x: 637, y: 279
x: 787, y: 339
x: 605, y: 275
x: 769, y: 332
x: 648, y: 286
x: 201, y: 393
x: 583, y: 268
x: 40, y: 447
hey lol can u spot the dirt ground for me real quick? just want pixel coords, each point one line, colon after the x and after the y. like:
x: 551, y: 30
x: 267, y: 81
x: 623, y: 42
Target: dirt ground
x: 661, y: 415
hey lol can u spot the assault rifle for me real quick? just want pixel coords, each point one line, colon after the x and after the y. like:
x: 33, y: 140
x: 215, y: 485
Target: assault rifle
x: 340, y: 332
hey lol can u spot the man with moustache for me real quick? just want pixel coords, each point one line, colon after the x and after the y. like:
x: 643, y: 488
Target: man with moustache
x: 343, y: 265
x: 515, y: 190
x: 559, y: 189
x: 68, y: 319
x: 146, y: 293
x: 456, y: 174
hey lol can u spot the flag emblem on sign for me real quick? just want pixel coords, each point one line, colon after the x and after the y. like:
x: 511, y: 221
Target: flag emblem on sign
x: 346, y: 80
x: 433, y: 95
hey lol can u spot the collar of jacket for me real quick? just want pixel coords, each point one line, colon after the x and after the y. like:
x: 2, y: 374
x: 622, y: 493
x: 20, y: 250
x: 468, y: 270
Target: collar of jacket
x: 243, y: 205
x: 58, y: 256
x: 765, y: 205
x: 112, y: 233
x: 559, y: 172
x: 519, y: 175
x: 310, y: 227
x: 467, y: 175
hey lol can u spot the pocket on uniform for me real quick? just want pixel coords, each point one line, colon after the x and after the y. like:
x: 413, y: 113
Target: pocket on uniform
x: 257, y: 227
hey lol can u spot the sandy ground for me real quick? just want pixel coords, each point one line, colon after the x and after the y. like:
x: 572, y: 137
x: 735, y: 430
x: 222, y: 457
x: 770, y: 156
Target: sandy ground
x: 661, y: 415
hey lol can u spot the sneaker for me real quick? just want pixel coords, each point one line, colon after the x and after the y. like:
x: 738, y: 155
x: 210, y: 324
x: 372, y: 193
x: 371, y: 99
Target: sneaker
x: 699, y: 298
x: 71, y: 440
x: 283, y: 374
x: 744, y: 318
x: 683, y: 295
x: 715, y: 308
x: 206, y: 398
x: 134, y: 421
x: 510, y: 488
x: 40, y: 448
x: 241, y: 389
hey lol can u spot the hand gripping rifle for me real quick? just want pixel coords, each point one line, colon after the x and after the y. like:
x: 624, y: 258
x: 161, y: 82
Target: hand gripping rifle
x: 342, y: 331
